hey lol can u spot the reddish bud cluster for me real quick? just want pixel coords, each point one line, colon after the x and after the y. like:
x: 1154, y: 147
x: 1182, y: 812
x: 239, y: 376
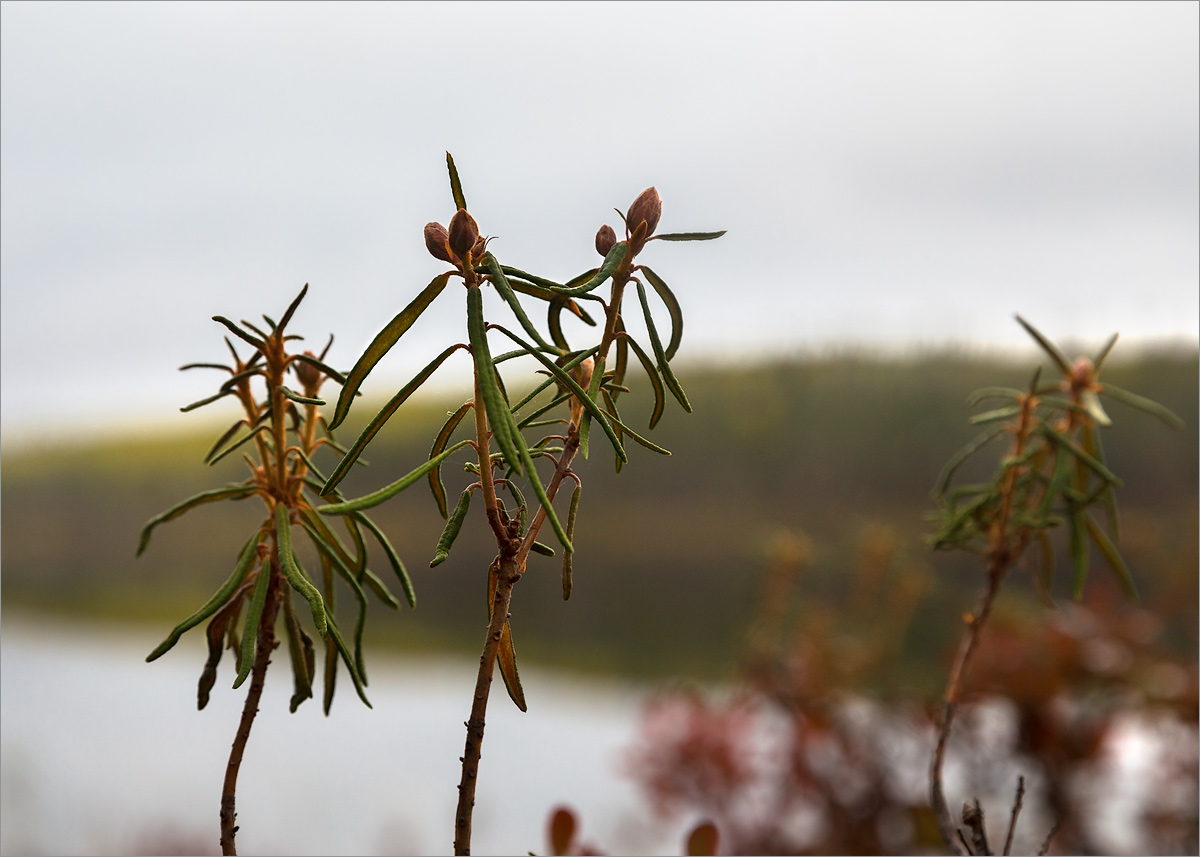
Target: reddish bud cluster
x: 461, y: 242
x: 640, y: 222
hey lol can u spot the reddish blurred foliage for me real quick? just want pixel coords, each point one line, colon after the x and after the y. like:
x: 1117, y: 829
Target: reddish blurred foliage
x: 800, y: 759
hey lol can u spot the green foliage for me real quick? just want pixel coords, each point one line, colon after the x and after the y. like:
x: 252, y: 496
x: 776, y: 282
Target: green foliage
x: 1054, y: 473
x: 283, y: 426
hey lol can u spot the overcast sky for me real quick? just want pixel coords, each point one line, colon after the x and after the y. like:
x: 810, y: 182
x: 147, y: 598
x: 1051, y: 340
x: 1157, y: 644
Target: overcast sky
x: 891, y: 175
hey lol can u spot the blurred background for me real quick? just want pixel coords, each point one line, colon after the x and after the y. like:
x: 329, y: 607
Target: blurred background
x: 896, y: 181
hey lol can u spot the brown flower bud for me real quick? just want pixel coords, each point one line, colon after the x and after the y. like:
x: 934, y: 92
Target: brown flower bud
x: 437, y: 241
x: 463, y: 233
x: 309, y: 375
x: 647, y: 207
x: 605, y: 239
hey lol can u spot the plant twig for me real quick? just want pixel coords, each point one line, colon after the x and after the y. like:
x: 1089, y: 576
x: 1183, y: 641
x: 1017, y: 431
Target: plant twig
x: 1045, y: 849
x: 262, y: 657
x: 975, y: 625
x: 972, y: 816
x: 1016, y: 811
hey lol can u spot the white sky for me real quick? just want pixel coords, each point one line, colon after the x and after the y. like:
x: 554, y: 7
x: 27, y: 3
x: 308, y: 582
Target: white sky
x: 891, y: 175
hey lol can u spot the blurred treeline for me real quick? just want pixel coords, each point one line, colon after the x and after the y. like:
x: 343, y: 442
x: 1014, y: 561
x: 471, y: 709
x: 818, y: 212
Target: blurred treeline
x: 670, y: 553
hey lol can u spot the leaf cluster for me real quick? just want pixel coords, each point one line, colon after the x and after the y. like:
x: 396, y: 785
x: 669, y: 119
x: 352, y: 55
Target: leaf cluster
x: 283, y: 430
x: 1053, y: 474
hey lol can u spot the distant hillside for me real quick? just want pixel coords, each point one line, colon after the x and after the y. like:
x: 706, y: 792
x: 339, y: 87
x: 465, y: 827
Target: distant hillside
x: 824, y: 446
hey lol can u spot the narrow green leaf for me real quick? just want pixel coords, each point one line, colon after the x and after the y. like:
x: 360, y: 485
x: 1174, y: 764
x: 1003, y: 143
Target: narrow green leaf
x: 1142, y: 404
x: 260, y: 333
x: 215, y: 636
x: 229, y: 432
x: 371, y: 579
x: 231, y: 383
x: 300, y: 649
x: 502, y: 285
x: 609, y: 267
x: 542, y: 282
x: 317, y: 364
x: 389, y: 491
x: 250, y: 631
x: 235, y: 492
x: 1059, y: 479
x: 1111, y: 555
x: 337, y: 559
x: 554, y: 322
x: 236, y: 446
x: 331, y: 649
x: 1103, y: 355
x: 383, y: 342
x: 453, y: 525
x: 460, y: 201
x: 1049, y: 347
x: 669, y: 379
x: 571, y: 384
x: 294, y: 574
x: 287, y: 314
x: 348, y: 660
x: 993, y: 415
x: 187, y: 366
x: 296, y: 397
x: 531, y: 420
x: 656, y: 384
x: 207, y: 401
x: 485, y: 373
x: 506, y: 654
x: 385, y: 413
x: 672, y: 304
x: 585, y: 424
x: 519, y: 499
x: 993, y: 393
x: 218, y: 600
x: 538, y: 489
x: 238, y: 332
x: 686, y: 236
x: 1109, y: 496
x: 1079, y: 552
x: 569, y: 553
x: 956, y: 461
x: 393, y: 558
x: 653, y: 447
x: 439, y: 443
x: 1079, y: 453
x: 574, y: 360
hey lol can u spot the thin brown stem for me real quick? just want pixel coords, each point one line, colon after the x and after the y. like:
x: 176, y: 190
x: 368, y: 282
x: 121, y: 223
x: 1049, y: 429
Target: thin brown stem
x: 1003, y: 552
x: 509, y: 572
x: 1016, y: 812
x: 512, y: 555
x: 262, y: 657
x: 975, y: 625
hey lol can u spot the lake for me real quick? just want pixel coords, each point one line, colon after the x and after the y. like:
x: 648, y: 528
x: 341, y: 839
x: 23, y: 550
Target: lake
x: 102, y: 753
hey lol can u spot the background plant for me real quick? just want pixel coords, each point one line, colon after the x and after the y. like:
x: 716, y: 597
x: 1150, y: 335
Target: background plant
x: 1053, y: 474
x: 581, y: 384
x: 284, y: 430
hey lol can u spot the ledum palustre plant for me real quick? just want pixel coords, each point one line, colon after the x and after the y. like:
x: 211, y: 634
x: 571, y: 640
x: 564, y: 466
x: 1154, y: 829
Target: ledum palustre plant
x: 1053, y: 475
x: 577, y: 401
x: 282, y: 430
